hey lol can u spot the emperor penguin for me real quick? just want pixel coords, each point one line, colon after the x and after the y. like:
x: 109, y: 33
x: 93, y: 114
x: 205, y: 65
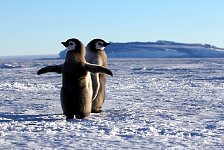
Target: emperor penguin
x: 76, y: 92
x: 95, y: 54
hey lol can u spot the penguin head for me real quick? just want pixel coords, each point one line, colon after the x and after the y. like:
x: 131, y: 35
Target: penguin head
x: 73, y: 45
x: 98, y: 44
x: 75, y: 50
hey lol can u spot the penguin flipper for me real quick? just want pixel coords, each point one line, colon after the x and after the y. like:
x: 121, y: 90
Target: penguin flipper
x: 55, y: 68
x: 97, y: 69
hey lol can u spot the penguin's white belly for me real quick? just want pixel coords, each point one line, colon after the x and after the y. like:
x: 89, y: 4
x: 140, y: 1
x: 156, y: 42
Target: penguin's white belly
x: 89, y: 86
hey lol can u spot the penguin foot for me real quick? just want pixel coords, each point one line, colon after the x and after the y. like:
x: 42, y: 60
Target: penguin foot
x: 96, y: 111
x: 69, y: 117
x: 79, y: 117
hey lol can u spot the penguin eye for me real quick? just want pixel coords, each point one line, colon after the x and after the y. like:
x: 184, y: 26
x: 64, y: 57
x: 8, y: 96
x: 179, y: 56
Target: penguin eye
x: 100, y: 44
x: 71, y: 44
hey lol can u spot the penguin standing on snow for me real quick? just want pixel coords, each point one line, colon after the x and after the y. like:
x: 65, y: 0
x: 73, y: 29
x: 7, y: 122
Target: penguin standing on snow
x: 76, y: 92
x: 95, y: 54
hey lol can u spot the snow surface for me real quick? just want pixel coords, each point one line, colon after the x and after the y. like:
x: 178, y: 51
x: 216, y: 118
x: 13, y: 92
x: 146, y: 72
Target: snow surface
x: 150, y: 104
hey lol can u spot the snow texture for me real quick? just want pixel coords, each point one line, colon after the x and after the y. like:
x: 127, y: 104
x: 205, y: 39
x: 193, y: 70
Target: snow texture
x: 150, y: 104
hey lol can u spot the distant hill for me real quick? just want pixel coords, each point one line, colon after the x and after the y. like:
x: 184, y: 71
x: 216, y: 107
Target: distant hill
x: 160, y: 49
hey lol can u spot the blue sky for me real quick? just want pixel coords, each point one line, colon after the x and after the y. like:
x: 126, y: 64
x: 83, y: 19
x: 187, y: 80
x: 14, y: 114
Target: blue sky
x: 33, y: 27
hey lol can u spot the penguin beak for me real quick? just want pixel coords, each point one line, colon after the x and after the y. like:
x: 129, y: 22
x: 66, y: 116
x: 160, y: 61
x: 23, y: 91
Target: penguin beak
x: 65, y: 44
x: 106, y: 44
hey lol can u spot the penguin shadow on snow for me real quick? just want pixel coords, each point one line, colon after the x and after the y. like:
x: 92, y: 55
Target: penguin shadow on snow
x: 9, y: 117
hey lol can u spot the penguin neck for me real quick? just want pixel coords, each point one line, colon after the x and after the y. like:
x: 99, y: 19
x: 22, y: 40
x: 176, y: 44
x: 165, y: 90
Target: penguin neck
x: 73, y: 56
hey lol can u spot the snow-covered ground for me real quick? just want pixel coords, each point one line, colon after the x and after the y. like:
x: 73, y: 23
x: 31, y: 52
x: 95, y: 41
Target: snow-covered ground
x: 150, y: 104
